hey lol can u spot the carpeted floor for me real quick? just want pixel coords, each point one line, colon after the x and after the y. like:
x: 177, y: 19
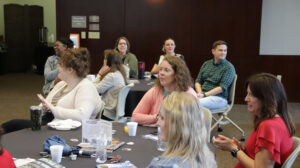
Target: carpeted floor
x: 18, y: 92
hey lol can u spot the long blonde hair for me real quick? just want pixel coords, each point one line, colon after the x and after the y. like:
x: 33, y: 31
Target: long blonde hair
x: 187, y: 133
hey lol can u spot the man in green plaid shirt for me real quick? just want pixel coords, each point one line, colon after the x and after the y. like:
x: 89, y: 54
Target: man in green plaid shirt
x: 215, y: 78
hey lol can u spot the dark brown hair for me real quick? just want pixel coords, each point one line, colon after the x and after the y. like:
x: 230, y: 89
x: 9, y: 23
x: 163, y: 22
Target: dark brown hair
x: 183, y: 77
x: 270, y: 91
x: 127, y: 42
x: 67, y: 42
x: 217, y: 43
x: 77, y: 59
x: 114, y: 61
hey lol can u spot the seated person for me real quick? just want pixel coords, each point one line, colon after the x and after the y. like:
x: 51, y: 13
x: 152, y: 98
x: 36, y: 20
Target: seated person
x: 6, y: 160
x: 50, y: 71
x: 215, y: 77
x: 109, y: 81
x: 74, y: 97
x: 168, y: 48
x: 186, y: 138
x: 123, y: 47
x: 173, y: 75
x: 270, y: 143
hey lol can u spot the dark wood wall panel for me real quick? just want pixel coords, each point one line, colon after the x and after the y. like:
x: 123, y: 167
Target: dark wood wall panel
x: 194, y: 24
x: 149, y: 23
x: 111, y: 14
x: 288, y: 67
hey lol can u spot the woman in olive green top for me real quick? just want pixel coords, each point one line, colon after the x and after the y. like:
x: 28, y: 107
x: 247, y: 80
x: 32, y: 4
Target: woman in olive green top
x: 122, y: 46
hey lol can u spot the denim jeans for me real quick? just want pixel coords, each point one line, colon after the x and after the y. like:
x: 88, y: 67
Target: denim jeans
x: 213, y: 102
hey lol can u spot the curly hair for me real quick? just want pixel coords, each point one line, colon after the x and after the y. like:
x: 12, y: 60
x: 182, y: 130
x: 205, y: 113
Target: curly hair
x: 270, y: 91
x: 77, y: 59
x: 183, y: 77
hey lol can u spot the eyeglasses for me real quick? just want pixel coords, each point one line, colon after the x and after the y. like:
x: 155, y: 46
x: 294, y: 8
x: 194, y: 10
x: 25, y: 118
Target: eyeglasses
x: 57, y: 45
x: 122, y: 44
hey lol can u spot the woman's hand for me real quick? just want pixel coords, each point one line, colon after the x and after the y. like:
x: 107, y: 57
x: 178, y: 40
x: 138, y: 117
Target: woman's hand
x: 46, y: 105
x: 104, y: 69
x: 200, y: 95
x: 224, y: 143
x: 155, y: 69
x: 238, y: 143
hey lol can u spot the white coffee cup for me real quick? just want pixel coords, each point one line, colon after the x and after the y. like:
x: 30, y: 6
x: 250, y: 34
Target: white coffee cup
x: 56, y: 152
x: 132, y: 127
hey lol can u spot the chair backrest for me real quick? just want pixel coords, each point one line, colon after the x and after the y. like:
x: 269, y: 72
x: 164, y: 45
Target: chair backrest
x: 231, y: 93
x: 296, y: 150
x: 120, y: 111
x: 98, y: 116
x: 208, y: 120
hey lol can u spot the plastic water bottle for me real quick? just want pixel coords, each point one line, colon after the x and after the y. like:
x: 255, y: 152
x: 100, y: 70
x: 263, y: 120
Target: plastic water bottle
x: 101, y: 153
x: 161, y: 145
x: 127, y: 70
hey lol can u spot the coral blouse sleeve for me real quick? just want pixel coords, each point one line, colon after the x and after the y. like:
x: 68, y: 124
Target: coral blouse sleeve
x: 268, y: 138
x: 142, y: 113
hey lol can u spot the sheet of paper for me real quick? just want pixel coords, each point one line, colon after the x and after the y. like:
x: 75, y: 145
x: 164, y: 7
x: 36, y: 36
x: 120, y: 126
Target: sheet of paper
x: 94, y: 35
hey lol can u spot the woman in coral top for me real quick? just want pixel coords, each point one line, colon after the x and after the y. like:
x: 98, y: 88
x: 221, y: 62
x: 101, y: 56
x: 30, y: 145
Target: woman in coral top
x: 174, y: 75
x: 270, y: 143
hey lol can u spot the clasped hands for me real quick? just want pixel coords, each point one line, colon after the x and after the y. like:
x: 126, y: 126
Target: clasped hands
x: 226, y: 144
x: 200, y: 95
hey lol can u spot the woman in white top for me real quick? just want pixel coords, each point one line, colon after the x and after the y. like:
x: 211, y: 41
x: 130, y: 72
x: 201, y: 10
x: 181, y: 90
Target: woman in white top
x: 75, y: 97
x: 109, y: 82
x: 169, y: 50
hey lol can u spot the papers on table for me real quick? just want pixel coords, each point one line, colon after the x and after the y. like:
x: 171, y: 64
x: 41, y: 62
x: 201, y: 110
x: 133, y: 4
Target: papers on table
x: 150, y: 136
x: 21, y: 162
x: 126, y: 164
x: 135, y: 81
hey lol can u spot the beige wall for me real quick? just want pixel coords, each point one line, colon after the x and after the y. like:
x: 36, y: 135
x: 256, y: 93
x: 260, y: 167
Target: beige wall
x: 49, y: 14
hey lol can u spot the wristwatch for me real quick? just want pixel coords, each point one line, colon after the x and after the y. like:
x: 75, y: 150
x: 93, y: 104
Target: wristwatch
x: 235, y: 151
x: 204, y: 94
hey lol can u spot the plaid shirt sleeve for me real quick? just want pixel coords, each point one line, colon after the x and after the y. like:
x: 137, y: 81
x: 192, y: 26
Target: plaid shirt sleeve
x: 200, y: 74
x: 227, y: 77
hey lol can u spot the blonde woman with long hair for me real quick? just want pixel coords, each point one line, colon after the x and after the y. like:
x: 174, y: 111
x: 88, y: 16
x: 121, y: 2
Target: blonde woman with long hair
x: 182, y: 125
